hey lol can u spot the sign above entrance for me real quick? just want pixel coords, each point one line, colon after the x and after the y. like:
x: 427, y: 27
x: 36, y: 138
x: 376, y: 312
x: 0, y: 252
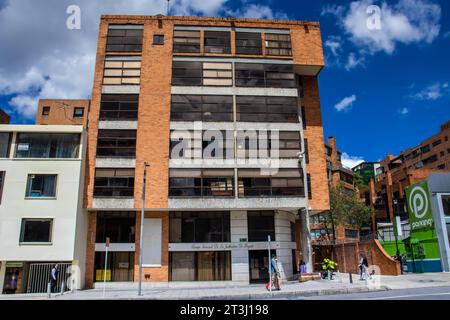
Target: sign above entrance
x: 419, y: 206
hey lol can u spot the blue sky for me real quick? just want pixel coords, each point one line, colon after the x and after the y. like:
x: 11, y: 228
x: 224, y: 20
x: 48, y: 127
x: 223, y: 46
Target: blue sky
x: 382, y: 90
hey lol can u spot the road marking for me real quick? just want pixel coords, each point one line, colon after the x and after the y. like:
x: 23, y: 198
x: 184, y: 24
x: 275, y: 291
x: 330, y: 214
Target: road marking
x: 409, y: 296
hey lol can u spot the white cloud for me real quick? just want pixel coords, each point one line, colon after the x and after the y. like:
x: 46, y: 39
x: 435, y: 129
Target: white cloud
x: 432, y: 92
x: 334, y: 44
x: 405, y: 22
x: 256, y: 11
x: 403, y: 111
x: 43, y: 59
x: 351, y: 161
x: 354, y: 61
x: 345, y: 103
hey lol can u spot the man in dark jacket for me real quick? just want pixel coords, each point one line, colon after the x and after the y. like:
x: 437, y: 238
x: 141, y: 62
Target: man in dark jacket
x: 54, y: 277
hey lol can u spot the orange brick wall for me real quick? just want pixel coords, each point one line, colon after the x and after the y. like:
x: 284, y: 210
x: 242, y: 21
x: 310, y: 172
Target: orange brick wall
x: 4, y: 117
x: 61, y: 111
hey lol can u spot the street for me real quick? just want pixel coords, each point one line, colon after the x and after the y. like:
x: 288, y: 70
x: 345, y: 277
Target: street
x: 432, y: 293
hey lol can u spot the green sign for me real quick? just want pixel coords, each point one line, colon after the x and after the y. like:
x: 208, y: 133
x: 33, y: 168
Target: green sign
x: 419, y: 206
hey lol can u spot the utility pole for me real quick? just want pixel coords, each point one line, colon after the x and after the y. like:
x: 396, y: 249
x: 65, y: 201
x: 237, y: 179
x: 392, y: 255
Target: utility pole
x: 141, y: 239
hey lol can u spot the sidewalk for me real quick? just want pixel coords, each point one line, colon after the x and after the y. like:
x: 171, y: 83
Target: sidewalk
x: 193, y: 291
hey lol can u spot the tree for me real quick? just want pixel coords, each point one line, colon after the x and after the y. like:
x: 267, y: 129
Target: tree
x: 347, y: 208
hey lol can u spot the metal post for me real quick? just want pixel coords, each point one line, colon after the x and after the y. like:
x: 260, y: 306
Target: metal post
x: 62, y: 288
x: 141, y: 238
x: 49, y: 290
x: 106, y: 266
x: 270, y: 266
x: 350, y: 275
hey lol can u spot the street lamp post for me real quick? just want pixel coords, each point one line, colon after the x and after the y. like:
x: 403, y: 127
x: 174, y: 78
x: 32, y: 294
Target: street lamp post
x: 306, y: 234
x: 141, y: 238
x: 397, y: 226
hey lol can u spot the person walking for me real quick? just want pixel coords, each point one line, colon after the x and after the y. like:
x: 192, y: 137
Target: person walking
x: 363, y: 265
x: 275, y: 273
x: 54, y: 277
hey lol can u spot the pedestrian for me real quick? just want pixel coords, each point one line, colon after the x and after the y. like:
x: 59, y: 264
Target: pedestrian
x: 54, y: 277
x: 274, y: 282
x: 363, y: 265
x: 303, y: 267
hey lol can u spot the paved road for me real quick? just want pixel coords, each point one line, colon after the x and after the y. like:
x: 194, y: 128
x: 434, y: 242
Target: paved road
x: 433, y: 293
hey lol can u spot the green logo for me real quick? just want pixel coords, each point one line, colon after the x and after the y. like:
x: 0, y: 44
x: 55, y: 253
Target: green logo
x: 419, y: 206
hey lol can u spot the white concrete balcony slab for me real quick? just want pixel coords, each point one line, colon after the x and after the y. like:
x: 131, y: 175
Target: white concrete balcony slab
x: 117, y: 125
x: 115, y: 163
x: 113, y: 203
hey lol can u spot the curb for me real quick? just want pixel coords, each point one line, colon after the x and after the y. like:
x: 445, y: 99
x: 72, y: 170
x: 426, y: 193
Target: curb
x: 280, y: 295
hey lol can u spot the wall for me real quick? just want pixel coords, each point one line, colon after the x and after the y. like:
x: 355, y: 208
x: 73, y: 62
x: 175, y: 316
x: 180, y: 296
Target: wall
x: 61, y: 112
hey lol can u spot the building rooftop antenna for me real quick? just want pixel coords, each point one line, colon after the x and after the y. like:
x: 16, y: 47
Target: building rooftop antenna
x: 168, y: 7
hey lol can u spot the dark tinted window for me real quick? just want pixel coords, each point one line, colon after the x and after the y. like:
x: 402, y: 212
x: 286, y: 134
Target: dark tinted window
x: 116, y: 143
x: 119, y: 227
x: 261, y: 224
x: 158, y: 39
x: 217, y: 41
x: 248, y: 43
x: 124, y: 40
x: 264, y: 75
x: 201, y: 108
x: 5, y: 143
x: 191, y: 227
x: 117, y: 183
x: 187, y: 73
x: 284, y: 183
x: 36, y: 230
x: 278, y: 44
x: 41, y: 186
x: 78, y: 112
x: 119, y: 107
x: 201, y: 183
x: 267, y: 109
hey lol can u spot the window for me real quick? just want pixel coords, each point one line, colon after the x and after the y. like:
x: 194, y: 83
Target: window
x: 265, y: 75
x: 116, y: 143
x: 124, y: 40
x: 187, y: 73
x: 119, y: 107
x: 446, y: 204
x: 117, y: 183
x: 261, y: 224
x: 5, y: 143
x: 186, y: 41
x: 431, y: 159
x: 201, y: 183
x: 425, y: 149
x: 351, y: 234
x: 346, y: 177
x: 292, y: 224
x: 436, y: 143
x: 36, y: 231
x: 278, y: 44
x: 41, y: 186
x: 303, y: 110
x: 158, y: 39
x: 2, y: 182
x: 441, y: 166
x: 248, y: 43
x: 305, y: 142
x: 266, y: 109
x: 78, y: 112
x: 286, y: 182
x: 122, y: 71
x: 118, y: 226
x: 217, y: 74
x: 47, y: 145
x: 197, y: 227
x: 217, y: 42
x: 193, y: 73
x: 45, y: 111
x: 308, y: 181
x: 200, y: 266
x: 201, y: 108
x: 288, y: 144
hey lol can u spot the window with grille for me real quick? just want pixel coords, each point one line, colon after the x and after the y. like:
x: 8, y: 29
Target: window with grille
x: 194, y: 73
x: 217, y: 74
x: 124, y: 40
x: 116, y: 143
x: 278, y: 44
x: 186, y: 41
x: 119, y: 107
x: 125, y: 72
x: 285, y: 182
x: 201, y: 183
x: 116, y: 183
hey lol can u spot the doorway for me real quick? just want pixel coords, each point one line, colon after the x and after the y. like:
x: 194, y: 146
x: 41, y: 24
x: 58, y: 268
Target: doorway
x: 258, y: 266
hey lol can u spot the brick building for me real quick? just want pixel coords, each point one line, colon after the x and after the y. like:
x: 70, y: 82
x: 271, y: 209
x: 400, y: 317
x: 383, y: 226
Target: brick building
x: 158, y: 77
x: 4, y: 117
x: 62, y: 112
x: 398, y: 172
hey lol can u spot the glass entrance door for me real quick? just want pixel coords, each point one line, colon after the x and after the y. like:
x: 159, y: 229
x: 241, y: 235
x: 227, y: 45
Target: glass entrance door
x: 258, y: 264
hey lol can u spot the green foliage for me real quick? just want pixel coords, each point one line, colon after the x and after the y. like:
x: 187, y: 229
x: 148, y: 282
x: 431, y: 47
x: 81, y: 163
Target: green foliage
x: 328, y: 264
x: 359, y: 180
x: 347, y: 208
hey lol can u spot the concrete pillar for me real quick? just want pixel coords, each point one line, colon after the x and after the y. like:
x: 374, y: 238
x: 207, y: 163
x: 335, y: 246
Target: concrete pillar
x: 2, y: 274
x: 306, y: 239
x: 239, y: 257
x: 283, y: 221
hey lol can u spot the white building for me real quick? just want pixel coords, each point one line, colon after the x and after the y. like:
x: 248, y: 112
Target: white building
x: 42, y: 221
